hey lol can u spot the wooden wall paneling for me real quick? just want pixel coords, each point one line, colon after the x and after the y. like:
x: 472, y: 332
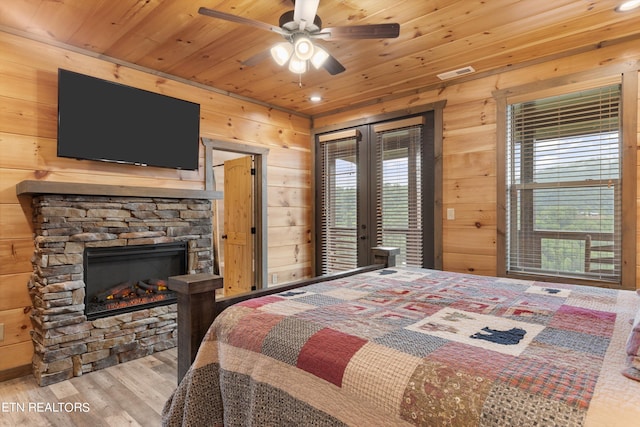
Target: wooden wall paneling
x: 478, y: 241
x: 23, y: 81
x: 8, y: 180
x: 22, y: 151
x: 16, y: 348
x: 270, y: 117
x: 475, y: 264
x: 289, y: 273
x: 24, y: 117
x: 286, y: 177
x: 469, y: 190
x: 13, y: 289
x: 17, y: 325
x: 15, y: 255
x: 288, y: 216
x: 14, y: 223
x: 283, y: 236
x: 465, y: 165
x: 629, y: 116
x: 37, y: 156
x: 462, y: 141
x: 638, y: 194
x: 481, y: 112
x: 15, y: 356
x: 381, y: 107
x: 217, y: 125
x: 286, y: 256
x: 289, y: 196
x: 293, y: 158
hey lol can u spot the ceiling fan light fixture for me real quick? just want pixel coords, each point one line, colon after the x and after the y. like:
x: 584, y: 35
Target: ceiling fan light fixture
x: 303, y: 48
x: 281, y: 53
x: 297, y: 66
x: 319, y: 56
x: 628, y: 5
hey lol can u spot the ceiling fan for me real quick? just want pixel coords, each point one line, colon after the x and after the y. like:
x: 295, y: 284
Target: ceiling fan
x: 299, y: 27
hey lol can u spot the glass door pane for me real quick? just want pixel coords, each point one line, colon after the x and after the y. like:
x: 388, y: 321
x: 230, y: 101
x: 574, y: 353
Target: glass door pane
x: 399, y: 193
x: 339, y: 205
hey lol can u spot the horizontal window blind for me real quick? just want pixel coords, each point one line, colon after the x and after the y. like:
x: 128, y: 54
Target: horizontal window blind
x: 399, y: 191
x: 564, y: 185
x: 339, y: 192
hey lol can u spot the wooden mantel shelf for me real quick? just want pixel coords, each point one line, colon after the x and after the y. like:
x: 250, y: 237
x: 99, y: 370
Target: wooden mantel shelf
x: 51, y: 187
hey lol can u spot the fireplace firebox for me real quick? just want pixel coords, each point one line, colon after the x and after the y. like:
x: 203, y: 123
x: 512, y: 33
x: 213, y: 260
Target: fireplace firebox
x: 122, y: 279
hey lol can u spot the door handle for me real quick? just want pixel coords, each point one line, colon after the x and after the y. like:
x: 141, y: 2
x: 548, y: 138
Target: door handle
x: 363, y: 237
x: 224, y: 236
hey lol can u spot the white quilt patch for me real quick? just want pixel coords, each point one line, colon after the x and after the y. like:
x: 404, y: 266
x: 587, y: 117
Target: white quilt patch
x: 549, y: 290
x: 493, y: 333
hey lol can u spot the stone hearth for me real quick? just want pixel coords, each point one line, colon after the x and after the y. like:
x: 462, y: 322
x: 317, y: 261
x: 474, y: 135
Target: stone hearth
x: 66, y: 344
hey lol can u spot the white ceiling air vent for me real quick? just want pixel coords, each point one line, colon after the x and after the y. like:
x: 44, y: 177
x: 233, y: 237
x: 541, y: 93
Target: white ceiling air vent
x: 456, y: 73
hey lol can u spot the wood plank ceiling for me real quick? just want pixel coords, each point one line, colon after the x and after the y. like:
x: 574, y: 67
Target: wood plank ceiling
x: 171, y: 38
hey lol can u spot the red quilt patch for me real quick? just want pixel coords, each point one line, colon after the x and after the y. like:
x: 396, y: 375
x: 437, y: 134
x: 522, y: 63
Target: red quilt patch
x: 327, y: 353
x: 259, y: 302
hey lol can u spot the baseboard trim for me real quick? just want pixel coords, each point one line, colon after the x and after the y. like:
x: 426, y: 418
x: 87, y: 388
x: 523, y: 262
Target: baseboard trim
x: 17, y: 372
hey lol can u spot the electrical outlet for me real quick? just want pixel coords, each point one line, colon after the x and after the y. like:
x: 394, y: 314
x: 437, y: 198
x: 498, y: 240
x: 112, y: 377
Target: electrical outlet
x: 451, y: 213
x: 274, y: 279
x: 1, y: 331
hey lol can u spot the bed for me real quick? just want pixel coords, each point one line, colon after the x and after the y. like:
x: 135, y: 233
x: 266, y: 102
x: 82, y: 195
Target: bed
x: 405, y: 346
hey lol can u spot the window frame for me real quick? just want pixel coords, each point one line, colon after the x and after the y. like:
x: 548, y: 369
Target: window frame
x: 628, y: 78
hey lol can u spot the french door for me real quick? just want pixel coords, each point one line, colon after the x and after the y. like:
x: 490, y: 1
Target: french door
x: 375, y: 188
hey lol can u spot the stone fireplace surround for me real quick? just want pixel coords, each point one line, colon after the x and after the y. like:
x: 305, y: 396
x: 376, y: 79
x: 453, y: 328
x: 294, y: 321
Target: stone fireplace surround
x: 67, y: 218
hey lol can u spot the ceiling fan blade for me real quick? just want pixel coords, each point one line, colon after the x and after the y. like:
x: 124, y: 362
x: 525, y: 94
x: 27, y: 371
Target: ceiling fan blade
x: 240, y: 20
x: 305, y: 10
x: 332, y: 65
x: 374, y: 31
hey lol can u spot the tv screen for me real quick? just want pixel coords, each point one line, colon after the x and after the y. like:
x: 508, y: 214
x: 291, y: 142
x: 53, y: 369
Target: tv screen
x: 102, y: 120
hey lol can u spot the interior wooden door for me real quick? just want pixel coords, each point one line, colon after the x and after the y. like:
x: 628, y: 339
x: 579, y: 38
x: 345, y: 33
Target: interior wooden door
x: 238, y: 220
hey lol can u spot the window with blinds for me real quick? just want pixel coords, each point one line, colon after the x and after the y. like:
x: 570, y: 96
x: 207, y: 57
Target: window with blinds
x: 339, y: 203
x: 564, y: 185
x: 399, y: 192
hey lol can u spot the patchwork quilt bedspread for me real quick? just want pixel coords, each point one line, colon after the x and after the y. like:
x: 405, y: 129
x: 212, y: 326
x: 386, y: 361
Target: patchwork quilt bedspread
x: 404, y: 346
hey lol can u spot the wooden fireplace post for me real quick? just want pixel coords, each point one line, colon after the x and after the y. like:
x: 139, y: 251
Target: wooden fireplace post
x: 196, y: 311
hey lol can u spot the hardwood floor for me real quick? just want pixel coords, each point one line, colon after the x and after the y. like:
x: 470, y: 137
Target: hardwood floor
x: 129, y: 394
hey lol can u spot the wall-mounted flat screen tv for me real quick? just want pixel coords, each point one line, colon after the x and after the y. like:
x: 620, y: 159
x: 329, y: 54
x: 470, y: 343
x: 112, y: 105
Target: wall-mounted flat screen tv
x: 102, y: 120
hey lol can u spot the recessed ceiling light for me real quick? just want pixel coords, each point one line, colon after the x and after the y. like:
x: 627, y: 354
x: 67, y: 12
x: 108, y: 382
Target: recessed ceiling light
x: 628, y: 5
x: 315, y: 98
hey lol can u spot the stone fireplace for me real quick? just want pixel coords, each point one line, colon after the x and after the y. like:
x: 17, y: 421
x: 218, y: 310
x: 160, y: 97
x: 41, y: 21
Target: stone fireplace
x: 73, y: 220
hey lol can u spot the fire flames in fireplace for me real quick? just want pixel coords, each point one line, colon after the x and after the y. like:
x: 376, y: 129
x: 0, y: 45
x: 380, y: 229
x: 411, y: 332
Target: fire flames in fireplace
x: 127, y: 294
